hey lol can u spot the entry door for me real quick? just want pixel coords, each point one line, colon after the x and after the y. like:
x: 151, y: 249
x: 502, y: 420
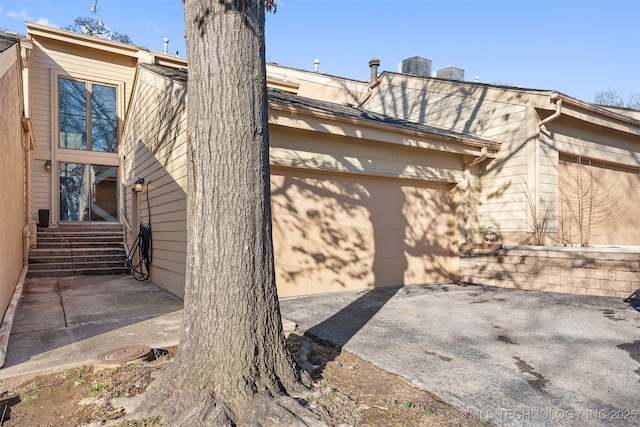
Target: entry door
x: 88, y: 192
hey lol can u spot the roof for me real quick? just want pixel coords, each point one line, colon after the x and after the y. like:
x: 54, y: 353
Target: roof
x: 177, y: 74
x: 343, y: 111
x: 7, y: 41
x: 352, y: 112
x: 619, y: 115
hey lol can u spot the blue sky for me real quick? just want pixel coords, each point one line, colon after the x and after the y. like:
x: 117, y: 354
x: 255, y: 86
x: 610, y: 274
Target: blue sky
x: 578, y: 47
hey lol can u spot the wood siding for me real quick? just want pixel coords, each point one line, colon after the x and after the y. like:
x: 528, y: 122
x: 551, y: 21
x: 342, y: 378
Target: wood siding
x: 154, y: 147
x: 499, y: 114
x: 48, y: 60
x: 11, y: 174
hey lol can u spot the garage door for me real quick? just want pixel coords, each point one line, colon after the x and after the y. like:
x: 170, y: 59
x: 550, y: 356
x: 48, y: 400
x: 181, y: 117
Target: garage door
x: 599, y: 203
x: 335, y: 232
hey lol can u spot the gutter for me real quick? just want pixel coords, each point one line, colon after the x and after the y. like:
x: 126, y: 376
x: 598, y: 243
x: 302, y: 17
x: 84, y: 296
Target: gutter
x: 481, y: 158
x: 554, y: 116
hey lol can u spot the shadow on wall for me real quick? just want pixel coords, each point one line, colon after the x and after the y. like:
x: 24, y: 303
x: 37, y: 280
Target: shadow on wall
x: 154, y: 144
x: 340, y: 232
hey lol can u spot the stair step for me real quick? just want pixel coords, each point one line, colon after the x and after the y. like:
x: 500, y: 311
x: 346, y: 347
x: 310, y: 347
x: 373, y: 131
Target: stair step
x: 78, y: 265
x: 40, y: 252
x: 52, y: 259
x: 78, y: 245
x: 78, y: 272
x: 79, y: 249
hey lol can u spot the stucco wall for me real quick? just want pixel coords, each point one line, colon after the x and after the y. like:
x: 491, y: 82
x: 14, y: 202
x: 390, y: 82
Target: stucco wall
x: 582, y: 271
x: 11, y: 175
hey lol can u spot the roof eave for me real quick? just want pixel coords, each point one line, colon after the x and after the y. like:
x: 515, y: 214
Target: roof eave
x: 466, y: 140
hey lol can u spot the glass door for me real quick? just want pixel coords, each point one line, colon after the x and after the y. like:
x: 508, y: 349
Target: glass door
x: 88, y: 192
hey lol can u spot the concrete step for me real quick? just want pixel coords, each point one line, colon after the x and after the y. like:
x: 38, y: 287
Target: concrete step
x: 79, y: 265
x: 112, y: 250
x: 49, y: 259
x: 63, y: 240
x: 78, y: 245
x: 79, y: 249
x: 78, y: 272
x: 80, y: 232
x: 83, y: 226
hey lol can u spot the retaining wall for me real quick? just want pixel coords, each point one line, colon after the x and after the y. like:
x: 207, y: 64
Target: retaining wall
x: 611, y: 272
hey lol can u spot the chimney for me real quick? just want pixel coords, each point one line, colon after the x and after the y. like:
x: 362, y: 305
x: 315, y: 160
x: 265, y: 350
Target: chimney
x: 316, y: 63
x: 374, y: 63
x: 166, y: 45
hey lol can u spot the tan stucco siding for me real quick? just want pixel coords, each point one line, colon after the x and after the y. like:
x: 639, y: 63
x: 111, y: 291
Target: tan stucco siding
x: 335, y: 232
x: 154, y: 148
x: 49, y: 60
x: 11, y: 175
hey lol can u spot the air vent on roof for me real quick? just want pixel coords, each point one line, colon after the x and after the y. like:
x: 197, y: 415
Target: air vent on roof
x: 451, y: 73
x: 415, y: 66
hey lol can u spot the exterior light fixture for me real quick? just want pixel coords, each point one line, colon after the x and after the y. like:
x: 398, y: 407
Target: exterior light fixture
x: 47, y: 165
x: 491, y: 234
x: 138, y: 185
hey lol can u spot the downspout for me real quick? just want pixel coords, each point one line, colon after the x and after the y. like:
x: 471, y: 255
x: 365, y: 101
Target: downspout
x: 536, y: 150
x: 554, y: 116
x: 481, y: 158
x: 374, y: 81
x: 467, y: 191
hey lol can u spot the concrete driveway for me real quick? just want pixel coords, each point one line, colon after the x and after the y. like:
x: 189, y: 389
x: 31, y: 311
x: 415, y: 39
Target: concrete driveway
x: 511, y: 357
x: 507, y: 356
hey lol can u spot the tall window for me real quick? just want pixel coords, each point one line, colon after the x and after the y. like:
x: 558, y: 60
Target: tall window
x: 88, y: 119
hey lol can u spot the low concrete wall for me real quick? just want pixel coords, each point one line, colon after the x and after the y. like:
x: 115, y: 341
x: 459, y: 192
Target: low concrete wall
x: 611, y: 272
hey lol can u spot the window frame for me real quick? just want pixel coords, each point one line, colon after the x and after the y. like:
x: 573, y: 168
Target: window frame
x: 88, y: 113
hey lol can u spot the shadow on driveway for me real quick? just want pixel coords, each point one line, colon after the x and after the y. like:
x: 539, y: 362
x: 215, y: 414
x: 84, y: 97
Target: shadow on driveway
x: 511, y: 357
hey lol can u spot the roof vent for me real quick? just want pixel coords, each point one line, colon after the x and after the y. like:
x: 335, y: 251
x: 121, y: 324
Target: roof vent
x: 451, y: 73
x: 415, y: 66
x: 374, y: 63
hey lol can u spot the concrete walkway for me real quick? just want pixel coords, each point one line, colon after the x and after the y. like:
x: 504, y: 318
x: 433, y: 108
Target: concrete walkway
x: 511, y: 357
x: 69, y: 321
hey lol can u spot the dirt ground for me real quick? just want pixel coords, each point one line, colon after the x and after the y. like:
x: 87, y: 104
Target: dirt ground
x: 347, y: 391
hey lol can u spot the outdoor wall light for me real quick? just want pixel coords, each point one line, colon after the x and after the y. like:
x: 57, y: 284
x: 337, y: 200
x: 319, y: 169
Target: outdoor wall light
x: 491, y: 234
x: 47, y: 165
x: 138, y: 185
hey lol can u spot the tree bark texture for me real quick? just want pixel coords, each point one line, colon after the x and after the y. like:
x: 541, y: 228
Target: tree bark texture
x: 232, y: 366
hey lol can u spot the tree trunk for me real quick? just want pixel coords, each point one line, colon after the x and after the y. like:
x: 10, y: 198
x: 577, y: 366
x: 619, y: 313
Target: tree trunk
x: 232, y: 366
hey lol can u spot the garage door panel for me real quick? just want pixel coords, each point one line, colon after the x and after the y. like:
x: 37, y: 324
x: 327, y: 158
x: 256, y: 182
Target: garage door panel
x: 598, y: 203
x: 341, y: 232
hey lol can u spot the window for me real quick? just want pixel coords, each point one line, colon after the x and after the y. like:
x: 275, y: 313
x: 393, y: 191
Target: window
x: 88, y: 118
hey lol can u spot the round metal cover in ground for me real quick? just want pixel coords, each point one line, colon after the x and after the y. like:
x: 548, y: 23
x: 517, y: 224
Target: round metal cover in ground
x: 124, y: 355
